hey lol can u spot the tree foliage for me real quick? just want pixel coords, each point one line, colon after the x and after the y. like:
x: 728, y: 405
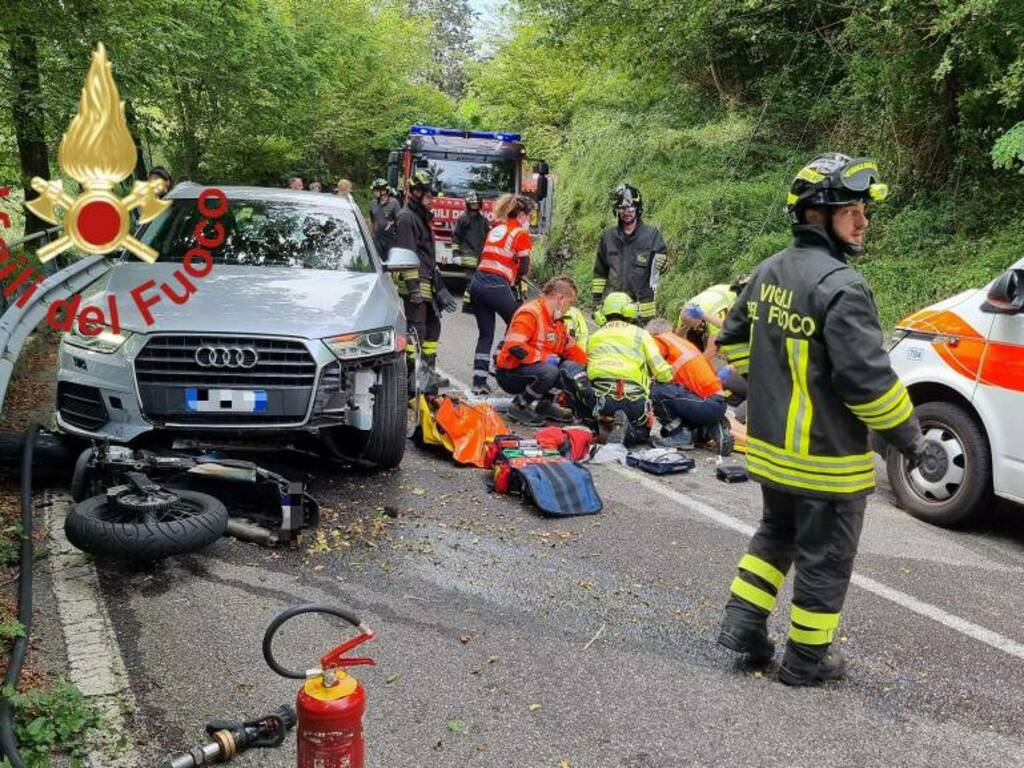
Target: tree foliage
x: 710, y: 106
x: 236, y: 91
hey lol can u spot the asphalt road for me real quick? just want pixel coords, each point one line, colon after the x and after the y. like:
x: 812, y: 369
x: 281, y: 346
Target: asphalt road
x: 505, y: 639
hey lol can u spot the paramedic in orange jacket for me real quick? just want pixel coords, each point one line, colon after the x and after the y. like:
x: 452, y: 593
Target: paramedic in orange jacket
x: 539, y: 355
x: 693, y: 399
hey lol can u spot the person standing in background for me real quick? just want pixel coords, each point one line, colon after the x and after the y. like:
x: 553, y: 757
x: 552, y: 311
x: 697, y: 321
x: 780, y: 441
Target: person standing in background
x: 344, y: 187
x: 384, y: 212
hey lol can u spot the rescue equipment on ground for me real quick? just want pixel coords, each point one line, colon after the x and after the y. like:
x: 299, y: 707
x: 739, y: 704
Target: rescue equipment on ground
x: 660, y: 461
x: 461, y: 428
x: 331, y: 704
x: 228, y: 740
x: 730, y: 473
x: 556, y: 485
x: 573, y: 442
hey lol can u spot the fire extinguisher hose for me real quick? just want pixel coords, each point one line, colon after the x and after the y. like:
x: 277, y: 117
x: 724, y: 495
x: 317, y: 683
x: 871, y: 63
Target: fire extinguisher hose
x: 275, y: 625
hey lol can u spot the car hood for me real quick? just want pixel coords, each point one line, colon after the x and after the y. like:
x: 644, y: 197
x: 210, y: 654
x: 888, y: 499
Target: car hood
x: 265, y: 300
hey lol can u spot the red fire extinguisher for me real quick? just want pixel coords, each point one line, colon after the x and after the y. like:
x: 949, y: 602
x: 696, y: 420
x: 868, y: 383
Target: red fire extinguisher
x: 331, y: 703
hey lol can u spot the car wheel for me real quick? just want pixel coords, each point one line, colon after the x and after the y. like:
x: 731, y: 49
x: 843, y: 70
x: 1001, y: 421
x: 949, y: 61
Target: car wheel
x: 386, y: 444
x: 146, y: 527
x: 965, y: 485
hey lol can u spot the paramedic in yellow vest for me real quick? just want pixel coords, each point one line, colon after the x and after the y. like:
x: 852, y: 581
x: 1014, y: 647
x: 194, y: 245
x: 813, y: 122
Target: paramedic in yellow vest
x: 622, y: 359
x: 806, y: 331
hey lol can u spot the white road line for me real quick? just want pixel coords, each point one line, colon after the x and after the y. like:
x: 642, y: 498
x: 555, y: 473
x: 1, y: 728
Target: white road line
x: 963, y: 626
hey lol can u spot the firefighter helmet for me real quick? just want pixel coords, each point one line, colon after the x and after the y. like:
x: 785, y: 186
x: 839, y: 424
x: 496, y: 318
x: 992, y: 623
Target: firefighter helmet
x: 616, y: 304
x: 626, y: 195
x: 833, y: 179
x: 423, y: 180
x: 379, y: 185
x: 472, y: 198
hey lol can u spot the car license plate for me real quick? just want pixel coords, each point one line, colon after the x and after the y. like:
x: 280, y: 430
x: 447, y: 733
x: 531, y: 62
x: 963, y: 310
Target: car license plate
x: 201, y: 400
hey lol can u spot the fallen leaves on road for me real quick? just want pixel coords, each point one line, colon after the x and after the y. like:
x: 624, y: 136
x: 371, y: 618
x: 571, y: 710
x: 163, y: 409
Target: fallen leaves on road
x: 392, y: 678
x: 535, y: 707
x: 464, y: 639
x: 456, y: 726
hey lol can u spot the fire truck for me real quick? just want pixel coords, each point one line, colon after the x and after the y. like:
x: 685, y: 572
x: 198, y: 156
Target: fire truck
x: 490, y: 163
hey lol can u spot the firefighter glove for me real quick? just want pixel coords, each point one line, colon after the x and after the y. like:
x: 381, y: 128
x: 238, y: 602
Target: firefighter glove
x: 660, y: 260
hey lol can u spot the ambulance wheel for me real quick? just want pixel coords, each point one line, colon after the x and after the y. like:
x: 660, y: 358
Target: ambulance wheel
x: 964, y: 486
x: 386, y: 444
x: 143, y: 530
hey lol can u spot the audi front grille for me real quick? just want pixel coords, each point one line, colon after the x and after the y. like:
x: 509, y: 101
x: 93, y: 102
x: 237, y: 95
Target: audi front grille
x: 169, y: 367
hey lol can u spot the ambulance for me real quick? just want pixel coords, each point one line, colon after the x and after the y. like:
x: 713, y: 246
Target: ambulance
x: 962, y: 360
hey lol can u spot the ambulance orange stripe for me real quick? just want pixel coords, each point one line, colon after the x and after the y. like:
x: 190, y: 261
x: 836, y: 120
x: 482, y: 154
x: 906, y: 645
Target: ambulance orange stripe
x: 967, y: 352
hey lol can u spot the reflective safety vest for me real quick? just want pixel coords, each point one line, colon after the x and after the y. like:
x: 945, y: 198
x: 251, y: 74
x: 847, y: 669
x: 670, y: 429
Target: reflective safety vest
x: 576, y: 323
x: 506, y: 243
x: 535, y: 336
x: 623, y: 352
x: 690, y: 368
x: 715, y: 302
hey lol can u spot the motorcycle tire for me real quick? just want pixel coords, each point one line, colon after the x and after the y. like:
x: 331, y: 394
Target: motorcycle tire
x: 102, y: 528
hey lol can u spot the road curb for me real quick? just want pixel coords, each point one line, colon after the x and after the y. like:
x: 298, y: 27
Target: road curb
x: 95, y: 664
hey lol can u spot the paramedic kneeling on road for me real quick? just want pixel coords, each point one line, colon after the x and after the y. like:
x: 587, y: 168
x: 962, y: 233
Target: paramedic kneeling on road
x: 622, y: 360
x: 806, y: 328
x: 538, y: 356
x: 693, y: 400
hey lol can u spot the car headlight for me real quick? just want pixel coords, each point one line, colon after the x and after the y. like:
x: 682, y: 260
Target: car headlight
x: 365, y: 344
x: 106, y: 341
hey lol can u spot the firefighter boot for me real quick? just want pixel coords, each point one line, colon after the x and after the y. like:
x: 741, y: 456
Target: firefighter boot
x: 803, y: 666
x: 749, y: 641
x: 437, y: 381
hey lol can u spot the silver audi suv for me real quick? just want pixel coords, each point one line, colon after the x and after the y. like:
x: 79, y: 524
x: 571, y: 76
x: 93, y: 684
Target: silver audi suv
x: 292, y: 328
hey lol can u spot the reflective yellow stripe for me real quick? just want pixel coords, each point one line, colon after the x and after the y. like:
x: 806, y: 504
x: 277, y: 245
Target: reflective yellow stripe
x: 811, y: 175
x: 764, y: 569
x: 834, y: 465
x: 742, y: 366
x: 599, y: 284
x: 903, y: 412
x: 808, y: 480
x: 791, y: 199
x: 737, y: 354
x: 813, y: 619
x: 888, y: 411
x: 750, y: 593
x: 426, y: 290
x: 811, y: 636
x: 801, y: 411
x: 880, y: 404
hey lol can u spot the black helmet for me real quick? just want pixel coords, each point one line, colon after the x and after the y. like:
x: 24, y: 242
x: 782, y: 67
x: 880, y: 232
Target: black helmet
x: 379, y: 184
x: 626, y: 195
x: 472, y: 198
x: 423, y: 180
x: 833, y: 179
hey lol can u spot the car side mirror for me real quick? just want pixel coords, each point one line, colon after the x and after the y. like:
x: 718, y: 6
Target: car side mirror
x: 401, y: 259
x: 1006, y: 296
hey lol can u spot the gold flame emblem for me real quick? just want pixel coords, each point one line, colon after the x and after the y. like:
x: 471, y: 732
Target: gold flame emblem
x: 97, y: 151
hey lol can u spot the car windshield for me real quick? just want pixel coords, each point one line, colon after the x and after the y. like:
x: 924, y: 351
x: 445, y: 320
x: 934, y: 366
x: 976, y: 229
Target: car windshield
x: 488, y: 178
x: 266, y: 233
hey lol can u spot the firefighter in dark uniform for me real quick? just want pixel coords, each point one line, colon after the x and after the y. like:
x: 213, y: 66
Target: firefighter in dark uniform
x: 384, y: 212
x: 417, y: 286
x: 805, y: 331
x: 627, y: 254
x: 468, y: 240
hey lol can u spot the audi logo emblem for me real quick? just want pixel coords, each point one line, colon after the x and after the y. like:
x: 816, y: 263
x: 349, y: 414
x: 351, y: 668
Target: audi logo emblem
x: 226, y: 357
